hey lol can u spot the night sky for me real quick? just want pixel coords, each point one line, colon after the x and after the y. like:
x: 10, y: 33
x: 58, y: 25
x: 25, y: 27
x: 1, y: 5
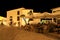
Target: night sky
x: 36, y: 5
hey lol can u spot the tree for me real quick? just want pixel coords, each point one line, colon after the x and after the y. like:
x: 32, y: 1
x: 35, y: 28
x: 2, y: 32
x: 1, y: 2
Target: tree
x: 23, y: 16
x: 30, y: 12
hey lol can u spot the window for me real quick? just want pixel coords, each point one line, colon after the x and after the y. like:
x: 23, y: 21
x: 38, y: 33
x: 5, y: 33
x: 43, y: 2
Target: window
x: 10, y: 16
x: 10, y: 23
x: 18, y: 18
x: 19, y: 23
x: 31, y: 19
x: 17, y: 12
x: 54, y: 19
x: 46, y: 19
x: 10, y: 19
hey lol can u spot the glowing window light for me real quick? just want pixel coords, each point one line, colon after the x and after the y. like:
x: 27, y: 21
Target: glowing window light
x: 43, y: 21
x: 1, y: 18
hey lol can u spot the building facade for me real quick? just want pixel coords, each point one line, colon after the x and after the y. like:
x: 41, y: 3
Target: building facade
x: 3, y: 20
x: 56, y: 13
x: 16, y: 17
x: 22, y: 16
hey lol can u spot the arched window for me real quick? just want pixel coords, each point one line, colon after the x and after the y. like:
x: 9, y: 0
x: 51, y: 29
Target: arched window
x: 18, y: 12
x: 10, y: 16
x: 54, y: 19
x: 10, y: 23
x: 18, y: 18
x: 10, y: 19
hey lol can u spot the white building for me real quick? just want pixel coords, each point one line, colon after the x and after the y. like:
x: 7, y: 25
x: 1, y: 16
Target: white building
x: 14, y: 16
x: 3, y: 20
x: 21, y: 16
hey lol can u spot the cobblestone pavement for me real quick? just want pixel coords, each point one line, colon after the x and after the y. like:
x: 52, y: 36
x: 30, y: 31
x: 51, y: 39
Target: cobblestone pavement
x: 54, y: 35
x: 13, y: 33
